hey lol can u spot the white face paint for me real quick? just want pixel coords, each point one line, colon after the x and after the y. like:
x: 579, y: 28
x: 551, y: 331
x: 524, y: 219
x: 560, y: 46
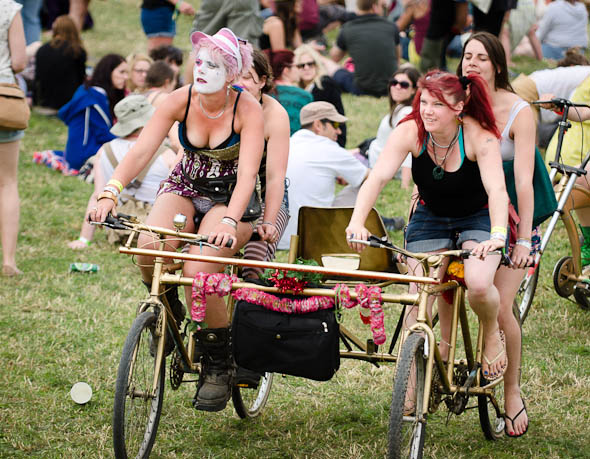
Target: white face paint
x: 209, y: 75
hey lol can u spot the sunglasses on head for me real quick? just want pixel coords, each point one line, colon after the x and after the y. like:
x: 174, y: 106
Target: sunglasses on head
x: 335, y: 124
x: 306, y: 64
x: 402, y: 84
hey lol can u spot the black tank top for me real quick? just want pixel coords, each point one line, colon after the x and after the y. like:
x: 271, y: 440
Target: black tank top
x: 457, y: 194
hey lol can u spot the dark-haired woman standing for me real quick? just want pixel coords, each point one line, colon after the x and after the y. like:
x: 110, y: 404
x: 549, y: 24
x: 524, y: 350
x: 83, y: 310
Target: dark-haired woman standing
x: 452, y: 138
x: 484, y: 55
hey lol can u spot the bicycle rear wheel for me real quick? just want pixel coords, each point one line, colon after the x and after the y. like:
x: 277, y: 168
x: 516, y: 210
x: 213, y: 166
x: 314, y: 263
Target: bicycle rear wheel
x: 249, y: 401
x: 526, y: 292
x: 407, y: 431
x: 137, y: 408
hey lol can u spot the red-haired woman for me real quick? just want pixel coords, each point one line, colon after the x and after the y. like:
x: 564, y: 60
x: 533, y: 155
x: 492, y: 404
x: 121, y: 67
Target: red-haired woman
x: 452, y: 138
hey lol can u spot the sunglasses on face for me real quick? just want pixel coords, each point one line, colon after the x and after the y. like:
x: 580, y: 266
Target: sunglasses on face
x: 306, y: 64
x: 335, y: 124
x: 402, y: 84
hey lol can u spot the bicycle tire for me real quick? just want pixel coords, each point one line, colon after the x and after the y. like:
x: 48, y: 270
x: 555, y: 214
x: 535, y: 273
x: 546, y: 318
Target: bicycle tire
x: 249, y: 402
x: 406, y: 433
x: 526, y: 292
x: 136, y: 415
x: 563, y: 286
x: 491, y: 425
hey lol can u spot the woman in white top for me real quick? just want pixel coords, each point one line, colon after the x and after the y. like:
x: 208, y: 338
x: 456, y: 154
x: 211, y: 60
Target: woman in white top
x: 402, y: 88
x: 484, y: 55
x: 13, y: 59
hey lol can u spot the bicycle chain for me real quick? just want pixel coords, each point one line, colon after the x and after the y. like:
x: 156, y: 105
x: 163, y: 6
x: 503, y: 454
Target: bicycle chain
x: 176, y: 371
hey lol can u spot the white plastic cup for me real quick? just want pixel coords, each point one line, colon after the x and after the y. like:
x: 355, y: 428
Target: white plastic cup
x: 81, y: 393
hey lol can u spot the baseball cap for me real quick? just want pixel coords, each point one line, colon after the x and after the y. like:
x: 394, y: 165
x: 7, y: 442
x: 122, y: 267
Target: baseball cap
x: 320, y: 111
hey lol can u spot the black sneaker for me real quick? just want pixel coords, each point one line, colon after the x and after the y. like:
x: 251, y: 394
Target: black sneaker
x: 393, y: 223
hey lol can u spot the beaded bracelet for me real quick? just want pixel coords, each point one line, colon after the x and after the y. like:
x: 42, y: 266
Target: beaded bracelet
x: 117, y: 184
x: 525, y: 243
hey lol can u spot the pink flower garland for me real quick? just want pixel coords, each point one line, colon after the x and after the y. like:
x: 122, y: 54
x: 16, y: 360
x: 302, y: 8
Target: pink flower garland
x: 286, y: 305
x: 367, y: 298
x: 208, y: 284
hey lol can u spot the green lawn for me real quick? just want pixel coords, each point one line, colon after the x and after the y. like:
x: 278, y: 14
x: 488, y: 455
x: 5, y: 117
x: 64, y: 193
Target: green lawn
x: 59, y: 328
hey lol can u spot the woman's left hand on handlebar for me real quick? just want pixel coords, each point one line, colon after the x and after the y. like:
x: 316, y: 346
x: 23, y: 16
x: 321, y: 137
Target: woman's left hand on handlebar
x: 482, y: 249
x: 357, y: 232
x: 221, y: 234
x: 102, y: 209
x: 521, y: 257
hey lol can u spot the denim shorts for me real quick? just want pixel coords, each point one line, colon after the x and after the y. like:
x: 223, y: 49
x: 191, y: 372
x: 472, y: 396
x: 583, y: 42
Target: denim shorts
x: 428, y: 232
x: 158, y: 22
x: 11, y: 136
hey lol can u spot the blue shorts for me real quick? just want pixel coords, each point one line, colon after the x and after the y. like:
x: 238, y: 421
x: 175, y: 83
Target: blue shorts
x: 11, y: 136
x: 428, y: 232
x: 158, y: 22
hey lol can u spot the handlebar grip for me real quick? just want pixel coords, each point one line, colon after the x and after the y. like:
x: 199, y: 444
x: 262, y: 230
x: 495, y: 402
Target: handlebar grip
x: 114, y: 222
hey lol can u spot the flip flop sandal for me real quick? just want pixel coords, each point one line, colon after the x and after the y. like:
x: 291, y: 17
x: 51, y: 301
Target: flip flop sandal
x: 495, y: 359
x: 523, y: 409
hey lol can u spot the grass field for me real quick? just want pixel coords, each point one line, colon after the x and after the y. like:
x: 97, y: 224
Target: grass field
x: 58, y: 328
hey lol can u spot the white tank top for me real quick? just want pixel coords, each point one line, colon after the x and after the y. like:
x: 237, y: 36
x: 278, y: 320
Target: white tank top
x: 150, y: 185
x: 506, y: 143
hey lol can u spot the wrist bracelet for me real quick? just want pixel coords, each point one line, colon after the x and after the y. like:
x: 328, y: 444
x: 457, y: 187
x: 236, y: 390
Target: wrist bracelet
x: 268, y: 223
x: 230, y: 221
x: 499, y: 236
x: 84, y: 240
x: 111, y: 189
x: 499, y: 229
x: 107, y: 195
x: 177, y: 5
x: 117, y: 184
x: 525, y: 243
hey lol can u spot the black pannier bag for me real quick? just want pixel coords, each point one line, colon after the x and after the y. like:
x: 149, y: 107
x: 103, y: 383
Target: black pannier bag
x: 305, y: 345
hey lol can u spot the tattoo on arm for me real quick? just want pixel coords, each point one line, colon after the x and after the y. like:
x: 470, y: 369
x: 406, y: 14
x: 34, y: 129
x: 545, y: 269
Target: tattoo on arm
x: 489, y: 140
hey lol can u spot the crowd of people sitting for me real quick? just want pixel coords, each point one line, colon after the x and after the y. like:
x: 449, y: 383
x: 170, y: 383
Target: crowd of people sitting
x: 255, y: 130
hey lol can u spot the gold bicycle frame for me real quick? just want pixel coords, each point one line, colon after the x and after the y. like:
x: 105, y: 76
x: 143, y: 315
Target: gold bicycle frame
x: 162, y: 276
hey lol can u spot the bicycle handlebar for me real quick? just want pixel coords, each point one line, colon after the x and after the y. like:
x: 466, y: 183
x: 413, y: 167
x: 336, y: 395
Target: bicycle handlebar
x: 560, y: 102
x: 130, y: 222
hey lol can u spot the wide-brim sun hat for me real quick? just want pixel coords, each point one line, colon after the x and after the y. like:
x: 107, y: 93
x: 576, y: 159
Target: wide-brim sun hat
x: 224, y: 39
x: 132, y: 112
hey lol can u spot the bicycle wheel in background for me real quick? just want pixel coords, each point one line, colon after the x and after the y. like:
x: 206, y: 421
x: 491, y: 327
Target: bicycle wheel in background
x: 490, y: 417
x: 249, y: 398
x: 408, y: 430
x: 136, y: 409
x: 526, y: 292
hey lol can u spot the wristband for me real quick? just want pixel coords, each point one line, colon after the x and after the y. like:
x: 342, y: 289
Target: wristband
x: 230, y: 221
x: 107, y: 195
x: 117, y: 184
x: 499, y: 229
x: 499, y: 236
x: 268, y: 223
x: 84, y: 240
x: 525, y: 243
x: 177, y: 5
x: 111, y: 189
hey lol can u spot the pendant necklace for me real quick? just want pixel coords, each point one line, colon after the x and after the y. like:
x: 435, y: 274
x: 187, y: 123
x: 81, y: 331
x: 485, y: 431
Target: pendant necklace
x: 438, y: 172
x: 214, y: 117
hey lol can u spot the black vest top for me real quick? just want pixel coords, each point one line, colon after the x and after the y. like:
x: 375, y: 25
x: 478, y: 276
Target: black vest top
x: 456, y: 194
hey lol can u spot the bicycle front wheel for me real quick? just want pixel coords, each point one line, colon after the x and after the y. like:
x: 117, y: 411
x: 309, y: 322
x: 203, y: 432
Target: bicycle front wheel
x: 249, y: 401
x: 526, y: 292
x: 138, y: 406
x: 407, y: 419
